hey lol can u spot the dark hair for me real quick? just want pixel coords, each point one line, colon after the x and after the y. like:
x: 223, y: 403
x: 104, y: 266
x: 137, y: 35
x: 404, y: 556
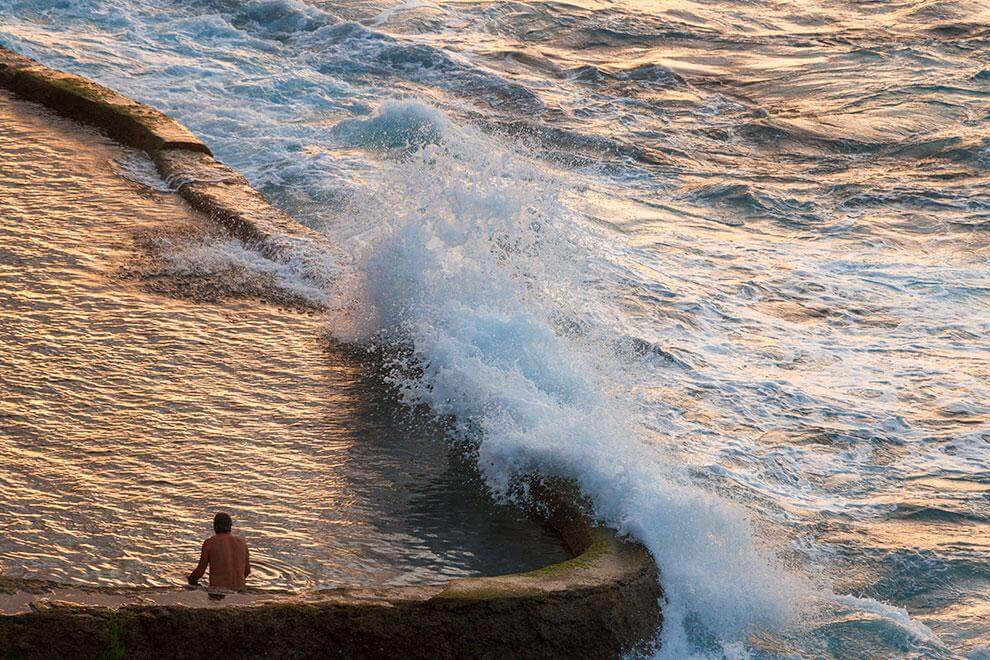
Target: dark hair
x: 222, y: 523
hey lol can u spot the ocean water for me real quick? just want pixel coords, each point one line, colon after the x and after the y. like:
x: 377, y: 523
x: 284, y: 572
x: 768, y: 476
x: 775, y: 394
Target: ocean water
x: 726, y: 264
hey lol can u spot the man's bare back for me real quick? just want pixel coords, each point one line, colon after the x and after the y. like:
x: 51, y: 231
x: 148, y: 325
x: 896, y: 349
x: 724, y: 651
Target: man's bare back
x: 226, y: 555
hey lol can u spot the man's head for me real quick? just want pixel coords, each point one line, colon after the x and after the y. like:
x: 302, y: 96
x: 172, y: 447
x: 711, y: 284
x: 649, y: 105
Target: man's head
x: 222, y: 523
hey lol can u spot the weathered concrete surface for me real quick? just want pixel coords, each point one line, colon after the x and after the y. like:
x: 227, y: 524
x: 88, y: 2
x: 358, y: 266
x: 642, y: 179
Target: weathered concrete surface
x: 127, y: 120
x: 601, y: 603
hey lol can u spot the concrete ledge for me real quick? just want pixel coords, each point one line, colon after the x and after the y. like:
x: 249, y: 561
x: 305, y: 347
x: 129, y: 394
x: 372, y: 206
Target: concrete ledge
x: 181, y: 158
x: 599, y: 604
x: 602, y: 603
x: 224, y: 195
x: 127, y: 120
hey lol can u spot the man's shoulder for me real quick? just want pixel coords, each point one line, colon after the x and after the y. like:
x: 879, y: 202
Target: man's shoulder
x: 225, y: 539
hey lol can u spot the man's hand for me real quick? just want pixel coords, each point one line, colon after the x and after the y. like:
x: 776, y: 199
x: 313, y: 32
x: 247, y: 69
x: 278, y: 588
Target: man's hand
x: 193, y: 581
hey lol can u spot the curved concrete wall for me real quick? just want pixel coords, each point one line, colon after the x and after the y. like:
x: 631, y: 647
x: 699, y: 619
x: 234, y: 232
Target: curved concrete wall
x: 602, y: 603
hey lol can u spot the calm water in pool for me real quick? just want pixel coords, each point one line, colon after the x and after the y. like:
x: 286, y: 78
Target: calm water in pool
x: 128, y: 415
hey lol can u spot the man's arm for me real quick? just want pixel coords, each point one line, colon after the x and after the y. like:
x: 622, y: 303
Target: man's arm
x: 204, y: 561
x: 247, y: 561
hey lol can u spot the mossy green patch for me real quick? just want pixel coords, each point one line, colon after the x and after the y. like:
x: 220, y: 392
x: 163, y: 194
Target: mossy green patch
x: 598, y: 548
x: 115, y: 646
x: 66, y: 82
x: 97, y: 93
x: 482, y: 591
x: 513, y: 586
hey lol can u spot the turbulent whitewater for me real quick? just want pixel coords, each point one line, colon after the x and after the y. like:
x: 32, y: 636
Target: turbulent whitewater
x: 726, y: 264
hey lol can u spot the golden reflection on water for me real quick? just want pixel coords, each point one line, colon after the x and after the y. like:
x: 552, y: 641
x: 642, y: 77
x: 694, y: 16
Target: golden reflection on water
x: 128, y: 417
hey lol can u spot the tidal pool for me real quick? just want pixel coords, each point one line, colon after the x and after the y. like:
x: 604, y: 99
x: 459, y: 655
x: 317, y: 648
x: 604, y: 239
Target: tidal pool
x: 148, y: 379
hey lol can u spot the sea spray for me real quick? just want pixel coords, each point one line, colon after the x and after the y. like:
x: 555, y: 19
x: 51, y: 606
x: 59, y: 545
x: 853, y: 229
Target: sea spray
x: 475, y: 264
x: 230, y: 259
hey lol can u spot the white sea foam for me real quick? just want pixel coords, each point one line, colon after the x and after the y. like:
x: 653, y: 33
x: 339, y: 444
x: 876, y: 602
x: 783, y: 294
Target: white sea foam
x: 915, y: 630
x: 137, y: 167
x: 476, y: 264
x: 395, y: 126
x: 217, y: 256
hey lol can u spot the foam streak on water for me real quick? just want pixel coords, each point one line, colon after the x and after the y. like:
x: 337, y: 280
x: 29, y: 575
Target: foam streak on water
x: 724, y: 263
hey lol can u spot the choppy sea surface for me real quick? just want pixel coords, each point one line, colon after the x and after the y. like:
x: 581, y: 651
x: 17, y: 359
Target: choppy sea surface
x: 726, y: 264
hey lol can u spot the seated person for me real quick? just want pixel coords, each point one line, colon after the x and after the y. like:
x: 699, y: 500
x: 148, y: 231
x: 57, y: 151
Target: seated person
x: 226, y: 556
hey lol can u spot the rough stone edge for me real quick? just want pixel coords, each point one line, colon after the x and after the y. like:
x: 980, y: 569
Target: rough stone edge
x: 133, y: 123
x: 182, y: 159
x: 603, y: 602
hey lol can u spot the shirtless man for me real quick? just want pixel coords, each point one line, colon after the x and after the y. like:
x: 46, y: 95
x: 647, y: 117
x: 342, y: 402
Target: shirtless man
x: 225, y: 554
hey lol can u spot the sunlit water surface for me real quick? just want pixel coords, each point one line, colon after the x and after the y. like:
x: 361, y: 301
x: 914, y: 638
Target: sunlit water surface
x: 725, y: 263
x: 129, y: 415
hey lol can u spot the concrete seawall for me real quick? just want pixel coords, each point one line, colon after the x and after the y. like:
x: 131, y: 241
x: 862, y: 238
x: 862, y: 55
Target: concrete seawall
x: 601, y: 603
